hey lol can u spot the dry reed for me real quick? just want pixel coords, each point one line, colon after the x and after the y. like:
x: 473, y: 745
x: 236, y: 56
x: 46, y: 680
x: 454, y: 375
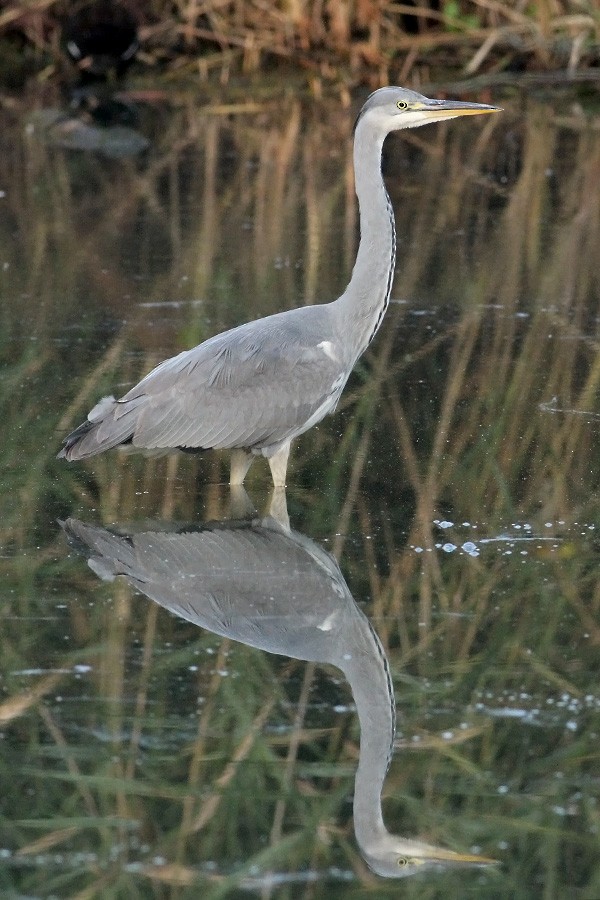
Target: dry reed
x: 365, y: 41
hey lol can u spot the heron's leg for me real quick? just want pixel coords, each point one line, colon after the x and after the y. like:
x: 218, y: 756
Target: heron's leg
x: 278, y: 465
x: 278, y: 508
x: 241, y: 461
x: 240, y: 504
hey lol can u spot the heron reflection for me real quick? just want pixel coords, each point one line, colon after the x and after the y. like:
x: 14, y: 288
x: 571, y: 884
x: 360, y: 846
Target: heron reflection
x: 270, y: 587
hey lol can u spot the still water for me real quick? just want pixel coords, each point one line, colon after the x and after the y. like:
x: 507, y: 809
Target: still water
x: 182, y: 670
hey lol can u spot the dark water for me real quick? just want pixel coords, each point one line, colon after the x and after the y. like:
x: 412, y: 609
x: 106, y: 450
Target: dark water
x: 457, y: 485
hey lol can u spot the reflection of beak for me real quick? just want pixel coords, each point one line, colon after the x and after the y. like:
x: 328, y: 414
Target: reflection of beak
x: 457, y: 108
x: 449, y: 858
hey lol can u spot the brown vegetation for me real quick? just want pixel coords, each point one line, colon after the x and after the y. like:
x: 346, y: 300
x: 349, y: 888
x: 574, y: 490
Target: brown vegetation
x: 366, y: 40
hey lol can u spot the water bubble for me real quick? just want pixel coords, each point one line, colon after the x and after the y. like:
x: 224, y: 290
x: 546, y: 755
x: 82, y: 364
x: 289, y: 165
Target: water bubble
x: 470, y: 548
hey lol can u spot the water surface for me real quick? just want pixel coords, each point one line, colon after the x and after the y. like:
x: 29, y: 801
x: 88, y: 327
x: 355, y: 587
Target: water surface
x: 457, y: 486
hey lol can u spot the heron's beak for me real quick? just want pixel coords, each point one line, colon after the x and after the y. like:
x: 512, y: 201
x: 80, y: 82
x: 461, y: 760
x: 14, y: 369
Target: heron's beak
x: 447, y: 108
x: 449, y: 858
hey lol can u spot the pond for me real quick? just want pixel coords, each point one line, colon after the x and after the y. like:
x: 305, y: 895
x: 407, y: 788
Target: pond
x: 184, y: 669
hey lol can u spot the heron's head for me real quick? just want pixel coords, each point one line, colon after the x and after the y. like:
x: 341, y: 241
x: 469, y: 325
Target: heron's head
x: 394, y: 108
x: 398, y: 857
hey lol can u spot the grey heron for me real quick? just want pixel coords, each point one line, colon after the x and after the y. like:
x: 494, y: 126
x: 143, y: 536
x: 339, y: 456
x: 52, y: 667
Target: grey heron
x: 256, y: 387
x: 273, y: 588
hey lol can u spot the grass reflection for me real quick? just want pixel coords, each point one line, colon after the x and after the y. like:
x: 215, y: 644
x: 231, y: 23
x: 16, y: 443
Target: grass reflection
x: 106, y: 767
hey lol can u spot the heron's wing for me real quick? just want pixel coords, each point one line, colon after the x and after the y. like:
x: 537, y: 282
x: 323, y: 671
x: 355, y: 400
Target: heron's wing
x: 252, y: 583
x: 256, y: 385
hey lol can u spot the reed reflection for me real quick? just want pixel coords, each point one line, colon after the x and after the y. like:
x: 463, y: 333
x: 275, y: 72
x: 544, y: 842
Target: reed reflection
x: 270, y: 587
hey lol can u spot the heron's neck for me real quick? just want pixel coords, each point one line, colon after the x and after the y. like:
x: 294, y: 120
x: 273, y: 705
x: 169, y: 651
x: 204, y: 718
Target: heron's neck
x: 365, y: 300
x: 366, y: 667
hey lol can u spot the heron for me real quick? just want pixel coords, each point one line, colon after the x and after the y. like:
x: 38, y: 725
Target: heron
x: 271, y: 587
x: 255, y: 388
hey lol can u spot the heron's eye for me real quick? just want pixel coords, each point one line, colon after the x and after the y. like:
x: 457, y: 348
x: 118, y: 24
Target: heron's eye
x: 402, y: 862
x: 402, y: 104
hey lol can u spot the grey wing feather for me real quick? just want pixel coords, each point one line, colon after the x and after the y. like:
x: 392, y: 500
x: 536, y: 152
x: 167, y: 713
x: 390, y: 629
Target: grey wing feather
x: 252, y: 387
x: 255, y: 386
x: 261, y: 586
